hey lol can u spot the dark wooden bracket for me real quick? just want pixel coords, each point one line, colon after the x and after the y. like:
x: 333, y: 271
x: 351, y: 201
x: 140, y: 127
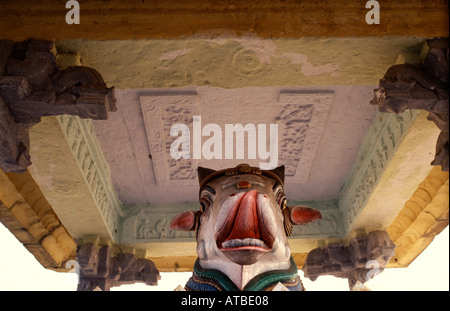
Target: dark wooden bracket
x: 32, y: 86
x: 424, y: 86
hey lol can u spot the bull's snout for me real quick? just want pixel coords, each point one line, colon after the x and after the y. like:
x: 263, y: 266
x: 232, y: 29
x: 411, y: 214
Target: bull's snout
x: 245, y: 218
x: 244, y: 237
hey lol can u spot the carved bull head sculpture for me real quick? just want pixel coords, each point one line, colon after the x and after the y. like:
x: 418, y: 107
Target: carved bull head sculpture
x: 241, y: 230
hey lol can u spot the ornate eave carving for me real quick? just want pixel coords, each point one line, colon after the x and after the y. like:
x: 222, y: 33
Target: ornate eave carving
x: 379, y: 146
x: 80, y: 137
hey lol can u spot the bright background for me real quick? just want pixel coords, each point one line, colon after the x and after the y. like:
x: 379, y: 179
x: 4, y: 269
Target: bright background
x: 19, y: 270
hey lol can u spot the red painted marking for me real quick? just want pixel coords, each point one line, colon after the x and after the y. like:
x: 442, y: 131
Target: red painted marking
x: 243, y: 185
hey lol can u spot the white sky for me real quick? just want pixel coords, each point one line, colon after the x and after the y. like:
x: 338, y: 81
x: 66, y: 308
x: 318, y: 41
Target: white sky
x: 19, y: 270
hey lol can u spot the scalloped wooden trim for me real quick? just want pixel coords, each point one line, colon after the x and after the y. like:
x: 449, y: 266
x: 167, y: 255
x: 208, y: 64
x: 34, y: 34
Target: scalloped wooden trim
x: 26, y: 213
x: 423, y: 217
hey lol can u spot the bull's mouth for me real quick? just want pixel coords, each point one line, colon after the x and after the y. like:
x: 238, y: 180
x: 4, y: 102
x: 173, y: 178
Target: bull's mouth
x: 244, y: 238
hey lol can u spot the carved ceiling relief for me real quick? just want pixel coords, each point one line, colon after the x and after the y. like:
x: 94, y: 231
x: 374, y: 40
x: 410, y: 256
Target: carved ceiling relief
x: 301, y: 119
x: 160, y: 113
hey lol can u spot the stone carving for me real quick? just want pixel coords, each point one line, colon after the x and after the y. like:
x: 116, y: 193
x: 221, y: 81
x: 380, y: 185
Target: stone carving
x: 297, y: 120
x: 159, y: 116
x: 361, y: 260
x: 303, y: 117
x: 32, y: 86
x: 80, y: 137
x: 99, y: 270
x: 424, y: 87
x: 159, y: 229
x: 14, y: 142
x: 181, y: 169
x: 241, y: 230
x: 247, y: 64
x: 385, y: 133
x: 151, y: 223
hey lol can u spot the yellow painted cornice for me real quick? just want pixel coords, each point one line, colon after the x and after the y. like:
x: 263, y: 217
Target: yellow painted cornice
x: 423, y: 217
x: 25, y: 211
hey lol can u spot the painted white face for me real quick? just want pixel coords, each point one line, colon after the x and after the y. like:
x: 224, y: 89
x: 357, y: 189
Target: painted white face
x: 242, y: 220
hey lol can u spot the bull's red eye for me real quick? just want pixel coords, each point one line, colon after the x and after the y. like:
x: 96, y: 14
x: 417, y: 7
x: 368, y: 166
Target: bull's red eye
x: 265, y: 196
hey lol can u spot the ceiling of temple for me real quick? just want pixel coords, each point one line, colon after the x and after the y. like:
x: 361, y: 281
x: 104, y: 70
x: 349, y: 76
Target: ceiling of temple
x: 318, y: 134
x: 319, y: 101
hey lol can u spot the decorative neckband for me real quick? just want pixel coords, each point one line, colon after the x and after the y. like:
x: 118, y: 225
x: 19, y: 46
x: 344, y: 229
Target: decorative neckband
x: 215, y: 280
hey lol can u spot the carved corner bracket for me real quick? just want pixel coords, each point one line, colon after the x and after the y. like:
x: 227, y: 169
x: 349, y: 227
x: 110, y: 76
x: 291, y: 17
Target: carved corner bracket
x: 424, y: 87
x: 356, y: 261
x: 99, y: 269
x: 32, y: 86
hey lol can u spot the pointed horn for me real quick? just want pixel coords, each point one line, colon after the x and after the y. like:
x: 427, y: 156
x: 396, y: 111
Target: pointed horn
x: 279, y: 171
x: 276, y: 173
x: 203, y: 173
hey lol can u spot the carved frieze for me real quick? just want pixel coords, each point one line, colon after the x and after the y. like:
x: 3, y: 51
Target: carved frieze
x: 80, y: 137
x: 385, y: 134
x: 151, y: 223
x: 143, y: 223
x: 32, y: 86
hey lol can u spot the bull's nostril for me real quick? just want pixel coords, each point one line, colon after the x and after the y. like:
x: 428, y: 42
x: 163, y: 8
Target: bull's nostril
x: 232, y: 195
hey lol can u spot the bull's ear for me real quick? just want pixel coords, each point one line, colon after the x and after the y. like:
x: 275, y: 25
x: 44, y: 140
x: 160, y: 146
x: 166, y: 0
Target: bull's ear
x: 185, y: 221
x: 302, y: 215
x: 204, y: 172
